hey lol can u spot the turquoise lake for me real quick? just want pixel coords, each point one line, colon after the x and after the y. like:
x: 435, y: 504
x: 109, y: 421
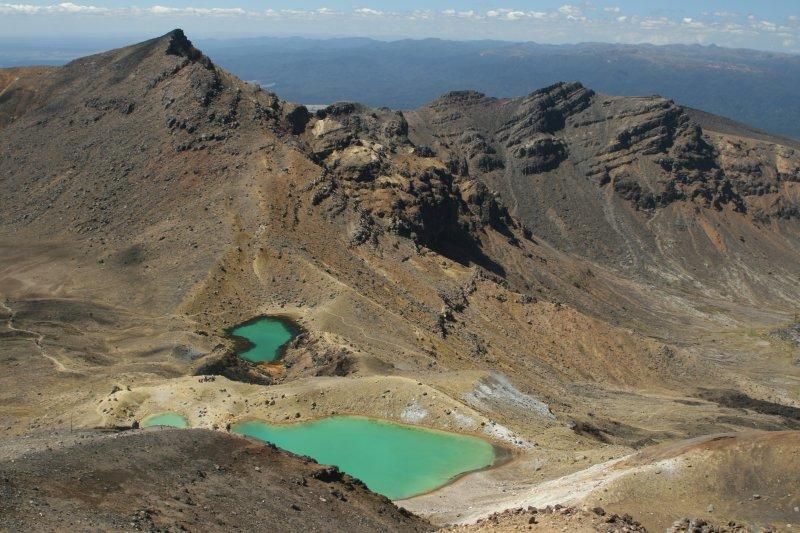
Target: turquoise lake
x: 395, y: 460
x: 166, y: 419
x: 267, y: 335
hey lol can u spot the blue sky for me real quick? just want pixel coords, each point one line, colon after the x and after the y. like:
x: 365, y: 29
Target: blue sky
x: 768, y: 25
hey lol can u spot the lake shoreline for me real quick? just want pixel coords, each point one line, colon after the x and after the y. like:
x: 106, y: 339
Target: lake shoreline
x: 500, y: 454
x: 242, y: 344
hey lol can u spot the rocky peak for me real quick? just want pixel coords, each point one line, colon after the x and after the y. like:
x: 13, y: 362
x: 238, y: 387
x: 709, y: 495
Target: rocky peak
x: 180, y: 45
x: 125, y: 119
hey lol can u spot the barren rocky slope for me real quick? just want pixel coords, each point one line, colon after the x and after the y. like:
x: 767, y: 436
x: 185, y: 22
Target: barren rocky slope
x: 635, y: 184
x: 617, y: 291
x: 747, y: 478
x: 171, y: 480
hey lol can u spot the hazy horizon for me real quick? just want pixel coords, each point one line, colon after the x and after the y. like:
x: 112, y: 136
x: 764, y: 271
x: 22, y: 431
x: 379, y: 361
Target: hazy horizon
x: 738, y: 24
x: 58, y: 50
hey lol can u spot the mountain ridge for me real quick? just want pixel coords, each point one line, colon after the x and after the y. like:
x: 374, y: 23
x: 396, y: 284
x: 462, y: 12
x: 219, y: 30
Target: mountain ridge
x: 750, y: 86
x: 150, y: 201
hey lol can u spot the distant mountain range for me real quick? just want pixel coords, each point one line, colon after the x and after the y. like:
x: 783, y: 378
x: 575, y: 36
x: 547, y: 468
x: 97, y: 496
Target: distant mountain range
x: 758, y: 88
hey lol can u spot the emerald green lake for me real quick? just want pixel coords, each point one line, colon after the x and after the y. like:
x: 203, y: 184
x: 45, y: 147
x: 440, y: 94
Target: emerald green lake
x: 395, y: 460
x: 266, y: 336
x: 165, y: 419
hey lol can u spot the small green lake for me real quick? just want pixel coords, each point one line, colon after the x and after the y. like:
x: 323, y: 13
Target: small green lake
x: 165, y: 419
x: 265, y: 336
x: 395, y: 460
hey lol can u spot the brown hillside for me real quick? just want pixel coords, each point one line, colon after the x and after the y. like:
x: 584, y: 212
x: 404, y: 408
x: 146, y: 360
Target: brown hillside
x: 570, y: 275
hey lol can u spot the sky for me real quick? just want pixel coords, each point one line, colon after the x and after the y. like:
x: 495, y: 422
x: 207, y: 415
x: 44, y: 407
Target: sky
x: 765, y: 24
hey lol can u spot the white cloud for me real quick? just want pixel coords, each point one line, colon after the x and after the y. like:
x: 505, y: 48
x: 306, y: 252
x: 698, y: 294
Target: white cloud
x: 767, y: 25
x: 161, y: 10
x: 73, y: 8
x: 26, y: 9
x: 164, y: 10
x: 692, y: 23
x: 733, y: 29
x: 571, y: 11
x: 422, y: 14
x: 215, y: 10
x: 471, y: 14
x: 69, y: 7
x: 513, y: 15
x: 611, y: 9
x: 368, y: 11
x: 64, y: 7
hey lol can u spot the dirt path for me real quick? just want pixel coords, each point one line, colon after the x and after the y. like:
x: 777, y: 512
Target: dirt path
x: 38, y: 340
x: 566, y: 490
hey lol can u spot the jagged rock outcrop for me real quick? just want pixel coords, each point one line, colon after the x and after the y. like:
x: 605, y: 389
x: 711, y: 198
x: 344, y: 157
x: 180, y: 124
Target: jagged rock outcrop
x: 535, y: 134
x: 590, y: 172
x: 370, y: 164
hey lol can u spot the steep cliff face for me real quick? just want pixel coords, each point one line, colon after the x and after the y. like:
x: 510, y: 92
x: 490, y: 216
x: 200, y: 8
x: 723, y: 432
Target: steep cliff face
x: 602, y: 135
x: 635, y: 183
x: 368, y: 162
